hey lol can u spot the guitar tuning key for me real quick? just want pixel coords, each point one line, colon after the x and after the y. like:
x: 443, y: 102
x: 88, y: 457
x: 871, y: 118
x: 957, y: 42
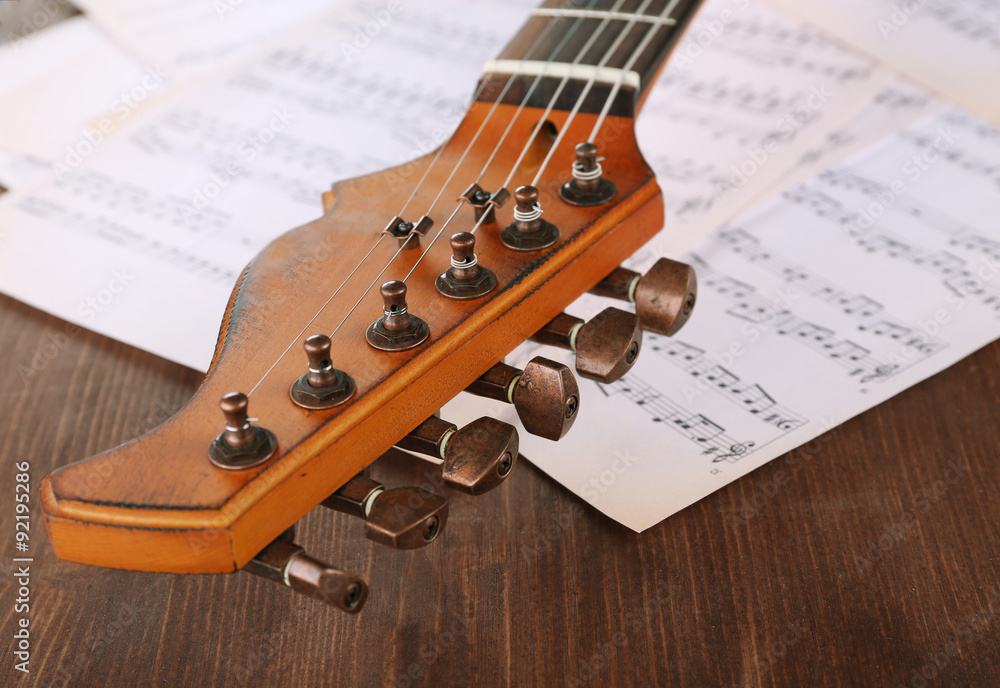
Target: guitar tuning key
x: 544, y: 394
x: 285, y: 562
x: 242, y: 444
x: 588, y: 186
x: 606, y: 346
x: 400, y: 517
x: 528, y: 231
x: 477, y: 458
x: 664, y: 297
x: 397, y: 329
x: 323, y: 386
x: 466, y: 278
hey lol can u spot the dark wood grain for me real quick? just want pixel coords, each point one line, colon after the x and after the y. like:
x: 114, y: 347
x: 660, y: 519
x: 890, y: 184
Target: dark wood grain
x: 529, y: 587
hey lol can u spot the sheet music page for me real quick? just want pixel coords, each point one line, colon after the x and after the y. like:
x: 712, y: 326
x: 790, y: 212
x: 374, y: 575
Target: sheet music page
x: 896, y: 106
x: 744, y: 93
x: 951, y: 47
x: 20, y: 170
x: 188, y: 36
x: 813, y: 308
x: 54, y: 81
x: 128, y: 206
x: 181, y: 198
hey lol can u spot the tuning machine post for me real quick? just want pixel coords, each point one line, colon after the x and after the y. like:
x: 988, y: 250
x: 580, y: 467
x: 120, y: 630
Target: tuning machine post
x: 323, y: 386
x: 397, y: 329
x: 606, y: 346
x: 664, y: 297
x: 399, y: 517
x: 287, y: 563
x: 528, y: 231
x: 544, y: 394
x: 588, y: 185
x: 476, y: 458
x: 243, y: 444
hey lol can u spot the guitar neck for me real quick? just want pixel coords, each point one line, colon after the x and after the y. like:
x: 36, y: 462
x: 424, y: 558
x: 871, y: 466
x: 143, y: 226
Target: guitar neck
x: 590, y: 55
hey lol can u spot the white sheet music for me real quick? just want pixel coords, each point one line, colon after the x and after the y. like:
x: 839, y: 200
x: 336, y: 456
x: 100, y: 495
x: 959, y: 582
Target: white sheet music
x: 53, y: 82
x: 812, y: 309
x: 18, y: 170
x: 129, y: 204
x: 950, y: 46
x: 744, y: 94
x: 188, y: 36
x: 156, y: 200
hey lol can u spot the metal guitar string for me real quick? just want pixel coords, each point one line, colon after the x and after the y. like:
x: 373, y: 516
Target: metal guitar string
x: 465, y: 153
x: 662, y: 19
x: 565, y: 79
x: 420, y: 182
x: 475, y: 97
x: 640, y: 48
x: 621, y: 77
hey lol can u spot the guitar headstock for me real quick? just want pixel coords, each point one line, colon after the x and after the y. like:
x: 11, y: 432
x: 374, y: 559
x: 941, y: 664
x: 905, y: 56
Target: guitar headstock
x: 344, y: 337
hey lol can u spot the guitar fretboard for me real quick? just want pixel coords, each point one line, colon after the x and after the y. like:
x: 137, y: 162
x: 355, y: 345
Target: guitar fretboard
x: 619, y: 45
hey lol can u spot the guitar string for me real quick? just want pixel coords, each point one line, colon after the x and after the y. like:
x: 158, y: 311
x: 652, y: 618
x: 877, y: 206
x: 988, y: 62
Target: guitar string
x: 580, y: 100
x: 639, y: 50
x: 468, y: 148
x: 621, y: 77
x: 510, y: 81
x: 478, y: 92
x: 541, y: 122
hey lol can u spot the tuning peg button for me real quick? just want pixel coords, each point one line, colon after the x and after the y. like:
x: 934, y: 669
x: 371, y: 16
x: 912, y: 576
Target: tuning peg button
x: 243, y: 444
x: 466, y: 278
x: 606, y: 347
x: 323, y: 386
x: 397, y: 329
x: 664, y: 297
x: 400, y: 517
x: 285, y: 562
x: 544, y: 394
x: 588, y: 186
x: 528, y: 231
x: 477, y: 458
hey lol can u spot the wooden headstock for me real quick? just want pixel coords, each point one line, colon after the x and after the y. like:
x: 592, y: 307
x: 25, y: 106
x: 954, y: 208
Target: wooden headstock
x: 195, y: 497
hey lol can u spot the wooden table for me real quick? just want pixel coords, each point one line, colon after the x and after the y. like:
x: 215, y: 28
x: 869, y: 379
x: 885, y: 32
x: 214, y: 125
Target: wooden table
x: 866, y: 558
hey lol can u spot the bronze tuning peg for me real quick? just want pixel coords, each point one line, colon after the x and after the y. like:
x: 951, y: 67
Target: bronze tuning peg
x: 285, y: 562
x: 544, y: 394
x: 401, y: 517
x: 477, y: 458
x: 243, y: 444
x: 323, y: 386
x: 606, y: 346
x: 664, y: 297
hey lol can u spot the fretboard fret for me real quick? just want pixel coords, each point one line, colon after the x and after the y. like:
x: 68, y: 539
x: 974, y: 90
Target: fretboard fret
x: 630, y: 39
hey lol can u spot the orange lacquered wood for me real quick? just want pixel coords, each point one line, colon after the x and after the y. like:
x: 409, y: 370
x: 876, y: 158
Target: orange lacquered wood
x: 158, y: 504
